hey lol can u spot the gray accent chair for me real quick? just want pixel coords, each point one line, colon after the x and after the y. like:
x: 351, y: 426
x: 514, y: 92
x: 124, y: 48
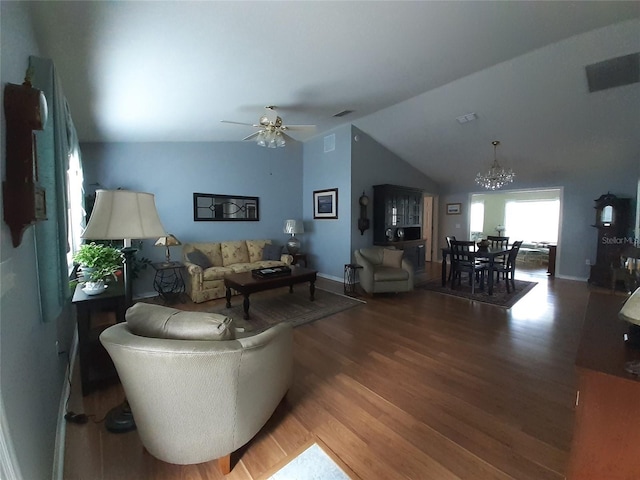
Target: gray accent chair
x: 198, y: 400
x: 377, y: 277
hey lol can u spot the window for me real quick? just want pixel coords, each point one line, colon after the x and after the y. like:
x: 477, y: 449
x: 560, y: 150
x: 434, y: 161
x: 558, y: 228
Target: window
x: 532, y: 221
x: 477, y: 217
x: 75, y: 210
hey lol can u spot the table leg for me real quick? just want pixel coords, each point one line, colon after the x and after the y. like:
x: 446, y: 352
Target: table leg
x: 312, y: 290
x: 245, y: 306
x: 444, y: 269
x: 291, y: 288
x: 228, y: 296
x: 490, y: 281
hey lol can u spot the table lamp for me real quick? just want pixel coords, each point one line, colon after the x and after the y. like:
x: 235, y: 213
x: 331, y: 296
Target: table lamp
x: 292, y: 227
x: 123, y: 215
x: 167, y: 241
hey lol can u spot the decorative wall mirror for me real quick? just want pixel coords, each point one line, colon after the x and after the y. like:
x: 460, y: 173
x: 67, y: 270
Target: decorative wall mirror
x: 208, y: 207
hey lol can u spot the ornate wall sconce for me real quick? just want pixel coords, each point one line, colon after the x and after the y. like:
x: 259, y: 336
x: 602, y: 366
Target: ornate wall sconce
x: 363, y: 221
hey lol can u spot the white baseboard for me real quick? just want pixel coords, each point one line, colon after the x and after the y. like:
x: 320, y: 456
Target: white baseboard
x: 61, y: 429
x: 331, y: 277
x: 569, y: 277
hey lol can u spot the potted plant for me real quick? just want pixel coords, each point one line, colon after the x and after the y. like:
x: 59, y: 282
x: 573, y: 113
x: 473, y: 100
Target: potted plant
x: 97, y: 263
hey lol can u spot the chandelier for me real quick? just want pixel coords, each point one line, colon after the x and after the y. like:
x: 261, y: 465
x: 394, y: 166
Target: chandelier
x: 496, y: 177
x: 271, y: 135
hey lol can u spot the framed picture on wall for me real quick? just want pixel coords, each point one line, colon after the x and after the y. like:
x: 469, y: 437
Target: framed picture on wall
x: 453, y: 208
x: 325, y: 203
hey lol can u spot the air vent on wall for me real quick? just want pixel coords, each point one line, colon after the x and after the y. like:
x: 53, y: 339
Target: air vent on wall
x: 343, y: 113
x: 614, y: 72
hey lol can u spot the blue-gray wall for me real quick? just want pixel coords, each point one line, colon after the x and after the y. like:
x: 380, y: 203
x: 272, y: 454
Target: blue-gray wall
x: 174, y: 171
x: 328, y: 240
x: 373, y: 164
x: 31, y: 371
x: 578, y: 239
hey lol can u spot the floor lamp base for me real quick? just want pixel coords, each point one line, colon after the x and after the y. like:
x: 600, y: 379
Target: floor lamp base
x: 120, y: 419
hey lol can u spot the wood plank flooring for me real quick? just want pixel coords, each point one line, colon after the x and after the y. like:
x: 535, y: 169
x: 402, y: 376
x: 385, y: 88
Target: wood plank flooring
x: 408, y: 386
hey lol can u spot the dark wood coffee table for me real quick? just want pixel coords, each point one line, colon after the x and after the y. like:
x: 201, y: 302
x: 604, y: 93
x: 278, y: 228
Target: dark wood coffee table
x: 246, y: 284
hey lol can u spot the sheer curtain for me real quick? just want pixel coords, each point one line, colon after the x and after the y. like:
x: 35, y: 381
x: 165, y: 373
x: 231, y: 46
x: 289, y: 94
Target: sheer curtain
x: 57, y: 149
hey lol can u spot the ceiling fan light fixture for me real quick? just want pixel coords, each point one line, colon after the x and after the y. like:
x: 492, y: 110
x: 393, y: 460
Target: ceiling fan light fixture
x: 497, y: 176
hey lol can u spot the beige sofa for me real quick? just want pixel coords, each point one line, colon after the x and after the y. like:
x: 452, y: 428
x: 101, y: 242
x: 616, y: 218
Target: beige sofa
x: 196, y: 392
x: 205, y: 281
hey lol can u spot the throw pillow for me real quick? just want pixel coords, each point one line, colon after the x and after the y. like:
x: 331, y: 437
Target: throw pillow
x: 392, y: 258
x: 234, y: 252
x: 271, y: 252
x: 156, y: 321
x: 199, y: 258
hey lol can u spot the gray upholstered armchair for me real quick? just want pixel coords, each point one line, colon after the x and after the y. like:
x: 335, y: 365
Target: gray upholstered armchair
x: 384, y: 270
x: 198, y: 400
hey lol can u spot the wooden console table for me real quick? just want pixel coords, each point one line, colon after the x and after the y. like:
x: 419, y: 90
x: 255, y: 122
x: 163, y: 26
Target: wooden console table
x: 96, y: 367
x: 606, y: 438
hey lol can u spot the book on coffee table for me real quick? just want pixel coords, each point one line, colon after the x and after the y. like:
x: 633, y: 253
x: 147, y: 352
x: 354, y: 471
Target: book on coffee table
x: 271, y: 272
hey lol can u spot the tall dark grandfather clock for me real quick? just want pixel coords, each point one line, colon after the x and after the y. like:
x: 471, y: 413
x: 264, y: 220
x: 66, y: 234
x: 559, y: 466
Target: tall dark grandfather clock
x: 25, y: 110
x: 612, y: 222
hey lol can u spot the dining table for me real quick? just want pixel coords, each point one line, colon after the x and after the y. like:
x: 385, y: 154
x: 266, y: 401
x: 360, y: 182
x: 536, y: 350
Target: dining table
x: 489, y: 254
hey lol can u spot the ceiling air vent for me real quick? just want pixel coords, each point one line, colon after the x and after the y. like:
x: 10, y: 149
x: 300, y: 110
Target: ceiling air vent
x: 614, y: 72
x: 343, y: 113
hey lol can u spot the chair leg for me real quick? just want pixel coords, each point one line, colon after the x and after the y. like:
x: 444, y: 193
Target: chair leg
x: 224, y: 464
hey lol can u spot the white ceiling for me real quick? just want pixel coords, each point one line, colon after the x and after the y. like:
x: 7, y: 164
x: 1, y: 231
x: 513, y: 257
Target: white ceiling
x: 170, y: 71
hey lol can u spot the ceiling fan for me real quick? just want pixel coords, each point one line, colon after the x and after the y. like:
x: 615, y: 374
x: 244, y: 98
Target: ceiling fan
x: 272, y: 130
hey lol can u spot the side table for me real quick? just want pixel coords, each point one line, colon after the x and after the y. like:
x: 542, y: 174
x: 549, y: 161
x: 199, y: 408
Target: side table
x: 351, y: 278
x: 168, y: 281
x: 96, y: 366
x: 297, y: 257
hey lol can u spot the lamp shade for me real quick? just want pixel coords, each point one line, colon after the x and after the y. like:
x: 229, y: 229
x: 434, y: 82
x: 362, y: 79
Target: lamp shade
x: 123, y: 214
x: 293, y: 226
x: 168, y: 241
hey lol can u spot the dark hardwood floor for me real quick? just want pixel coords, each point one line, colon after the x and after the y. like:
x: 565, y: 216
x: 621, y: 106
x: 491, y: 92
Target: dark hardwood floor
x: 415, y: 385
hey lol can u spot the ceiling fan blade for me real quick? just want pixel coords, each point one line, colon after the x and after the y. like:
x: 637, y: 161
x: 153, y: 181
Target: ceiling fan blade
x: 299, y: 127
x: 239, y: 123
x: 251, y: 136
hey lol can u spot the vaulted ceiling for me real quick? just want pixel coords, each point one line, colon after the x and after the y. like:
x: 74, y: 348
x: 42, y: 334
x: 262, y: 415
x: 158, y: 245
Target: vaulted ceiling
x: 170, y: 71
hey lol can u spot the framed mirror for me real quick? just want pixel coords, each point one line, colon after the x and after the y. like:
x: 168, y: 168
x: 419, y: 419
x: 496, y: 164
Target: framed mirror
x: 210, y: 207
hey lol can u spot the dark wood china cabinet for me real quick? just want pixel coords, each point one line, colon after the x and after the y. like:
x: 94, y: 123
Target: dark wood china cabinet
x: 397, y: 221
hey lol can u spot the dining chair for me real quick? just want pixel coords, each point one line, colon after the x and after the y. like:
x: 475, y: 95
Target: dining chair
x: 463, y: 260
x: 508, y: 265
x: 498, y: 243
x: 449, y: 240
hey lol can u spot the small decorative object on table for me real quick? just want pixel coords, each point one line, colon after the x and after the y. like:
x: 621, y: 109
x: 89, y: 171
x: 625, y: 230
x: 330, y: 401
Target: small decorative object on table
x: 271, y: 272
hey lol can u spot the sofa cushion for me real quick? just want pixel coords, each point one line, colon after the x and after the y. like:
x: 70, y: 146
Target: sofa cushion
x: 392, y: 258
x: 271, y: 252
x: 215, y: 273
x: 243, y: 267
x: 199, y: 258
x: 156, y: 321
x: 234, y: 252
x: 389, y: 274
x: 255, y: 249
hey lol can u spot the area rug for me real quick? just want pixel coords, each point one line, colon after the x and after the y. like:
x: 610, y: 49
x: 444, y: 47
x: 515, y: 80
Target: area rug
x: 499, y: 298
x: 315, y: 462
x: 275, y: 306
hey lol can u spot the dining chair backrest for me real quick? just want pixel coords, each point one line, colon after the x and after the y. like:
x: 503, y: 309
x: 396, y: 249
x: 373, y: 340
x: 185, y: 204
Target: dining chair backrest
x: 513, y: 253
x: 450, y: 239
x: 461, y: 250
x: 498, y: 242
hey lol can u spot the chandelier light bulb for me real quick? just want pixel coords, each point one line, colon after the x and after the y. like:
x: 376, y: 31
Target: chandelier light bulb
x: 497, y: 176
